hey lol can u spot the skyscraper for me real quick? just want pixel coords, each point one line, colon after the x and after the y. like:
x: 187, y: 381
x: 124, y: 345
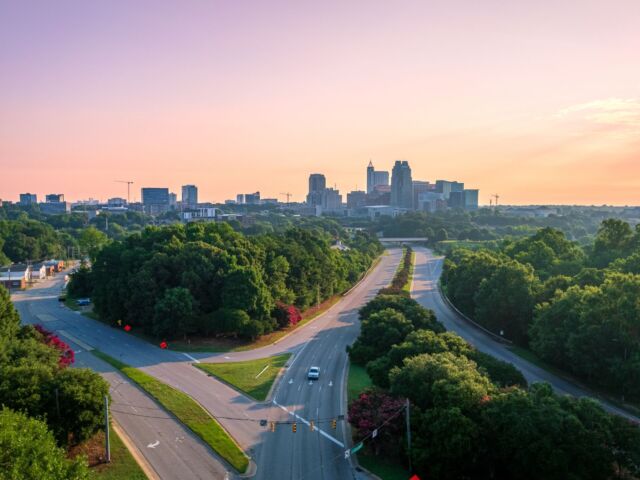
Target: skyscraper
x: 189, y: 196
x: 155, y: 200
x: 401, y: 185
x: 317, y: 186
x: 376, y: 177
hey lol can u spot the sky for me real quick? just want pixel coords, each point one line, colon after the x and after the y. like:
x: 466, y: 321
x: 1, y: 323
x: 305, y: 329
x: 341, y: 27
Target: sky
x: 537, y: 101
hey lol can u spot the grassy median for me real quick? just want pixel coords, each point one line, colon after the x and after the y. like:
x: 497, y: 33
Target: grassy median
x: 253, y: 377
x: 188, y: 411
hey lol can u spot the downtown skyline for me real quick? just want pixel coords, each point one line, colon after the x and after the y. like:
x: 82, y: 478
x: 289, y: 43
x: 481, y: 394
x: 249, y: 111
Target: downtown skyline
x: 538, y: 103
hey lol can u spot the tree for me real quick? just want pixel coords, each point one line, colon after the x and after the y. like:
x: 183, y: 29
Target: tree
x: 440, y: 380
x: 9, y: 319
x: 370, y: 411
x: 420, y: 317
x: 92, y: 240
x: 505, y: 301
x: 614, y: 240
x: 28, y: 451
x: 378, y: 333
x: 175, y: 313
x: 81, y: 284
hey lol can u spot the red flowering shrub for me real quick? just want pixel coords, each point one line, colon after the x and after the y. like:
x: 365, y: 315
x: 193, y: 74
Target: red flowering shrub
x: 67, y: 357
x: 372, y: 409
x: 286, y: 315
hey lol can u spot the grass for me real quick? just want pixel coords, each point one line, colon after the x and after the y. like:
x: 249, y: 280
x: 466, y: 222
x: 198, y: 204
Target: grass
x: 253, y: 377
x: 123, y: 465
x: 188, y: 411
x: 357, y: 381
x: 407, y: 286
x: 385, y: 468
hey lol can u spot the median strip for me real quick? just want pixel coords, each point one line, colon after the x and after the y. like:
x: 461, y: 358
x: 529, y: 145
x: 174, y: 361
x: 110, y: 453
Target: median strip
x: 188, y: 411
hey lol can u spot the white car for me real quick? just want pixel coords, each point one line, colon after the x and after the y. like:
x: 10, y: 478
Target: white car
x: 314, y: 373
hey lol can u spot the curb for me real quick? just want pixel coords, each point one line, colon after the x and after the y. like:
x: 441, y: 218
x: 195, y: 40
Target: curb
x: 135, y: 453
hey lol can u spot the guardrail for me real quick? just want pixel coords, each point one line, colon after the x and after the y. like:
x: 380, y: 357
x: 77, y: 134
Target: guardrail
x: 495, y: 336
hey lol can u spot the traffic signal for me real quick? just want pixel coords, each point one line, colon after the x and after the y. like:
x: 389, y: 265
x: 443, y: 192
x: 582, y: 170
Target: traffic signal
x: 294, y: 427
x: 273, y: 426
x: 334, y: 423
x: 311, y: 425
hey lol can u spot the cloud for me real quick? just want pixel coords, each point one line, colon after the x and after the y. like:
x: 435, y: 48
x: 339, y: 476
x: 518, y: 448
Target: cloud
x: 615, y: 112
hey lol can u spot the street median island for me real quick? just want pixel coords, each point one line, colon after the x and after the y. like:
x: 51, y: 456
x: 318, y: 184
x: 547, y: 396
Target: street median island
x: 253, y: 377
x: 188, y: 411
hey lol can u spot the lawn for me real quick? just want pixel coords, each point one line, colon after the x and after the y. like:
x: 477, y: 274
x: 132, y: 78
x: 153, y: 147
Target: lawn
x: 253, y: 377
x: 188, y: 411
x: 123, y: 465
x: 358, y: 380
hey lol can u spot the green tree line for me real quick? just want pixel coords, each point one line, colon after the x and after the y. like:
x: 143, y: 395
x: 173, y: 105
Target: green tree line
x: 577, y: 308
x: 208, y: 279
x: 473, y: 416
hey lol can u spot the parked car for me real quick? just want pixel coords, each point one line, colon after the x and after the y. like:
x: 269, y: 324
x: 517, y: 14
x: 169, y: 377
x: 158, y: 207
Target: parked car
x: 314, y: 373
x: 83, y: 302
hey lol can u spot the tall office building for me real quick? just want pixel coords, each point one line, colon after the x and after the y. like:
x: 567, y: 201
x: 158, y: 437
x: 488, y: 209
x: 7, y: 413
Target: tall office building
x: 331, y: 199
x: 471, y: 199
x: 189, y: 196
x: 445, y: 187
x: 401, y: 185
x: 28, y: 199
x: 155, y: 200
x: 376, y: 178
x: 54, y: 198
x: 317, y: 186
x: 419, y: 187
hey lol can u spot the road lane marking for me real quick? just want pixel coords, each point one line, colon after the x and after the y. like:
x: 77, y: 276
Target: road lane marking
x: 262, y: 371
x: 154, y: 445
x: 75, y: 340
x: 45, y: 317
x: 192, y: 358
x: 290, y: 381
x: 306, y: 422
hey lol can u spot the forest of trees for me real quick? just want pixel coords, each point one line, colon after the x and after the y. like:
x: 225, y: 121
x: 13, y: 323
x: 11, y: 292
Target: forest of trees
x: 208, y: 279
x: 45, y: 407
x: 473, y: 416
x: 576, y: 308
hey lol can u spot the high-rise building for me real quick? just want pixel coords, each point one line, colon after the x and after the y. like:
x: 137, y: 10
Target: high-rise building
x: 471, y: 199
x: 418, y: 188
x: 54, y: 198
x: 155, y: 200
x: 317, y: 186
x: 240, y: 199
x: 445, y: 187
x: 456, y: 200
x: 28, y: 199
x: 356, y: 199
x: 401, y: 185
x: 331, y: 199
x: 252, y: 198
x: 376, y: 178
x: 189, y: 196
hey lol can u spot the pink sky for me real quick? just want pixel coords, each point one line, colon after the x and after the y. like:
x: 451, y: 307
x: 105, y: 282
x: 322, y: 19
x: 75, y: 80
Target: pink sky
x: 537, y: 101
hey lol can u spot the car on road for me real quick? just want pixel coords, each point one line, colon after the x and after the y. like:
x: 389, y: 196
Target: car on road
x: 314, y: 373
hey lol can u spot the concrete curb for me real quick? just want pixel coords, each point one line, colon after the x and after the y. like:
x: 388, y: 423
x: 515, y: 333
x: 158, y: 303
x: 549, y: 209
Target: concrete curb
x: 135, y: 453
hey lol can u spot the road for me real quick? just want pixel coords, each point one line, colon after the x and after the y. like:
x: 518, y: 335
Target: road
x: 168, y: 447
x: 428, y: 269
x: 281, y: 454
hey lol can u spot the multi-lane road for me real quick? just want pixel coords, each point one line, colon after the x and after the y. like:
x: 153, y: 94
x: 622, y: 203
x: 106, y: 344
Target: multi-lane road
x: 309, y: 453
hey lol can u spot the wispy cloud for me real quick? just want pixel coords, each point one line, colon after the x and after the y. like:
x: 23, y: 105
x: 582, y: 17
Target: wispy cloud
x: 616, y: 112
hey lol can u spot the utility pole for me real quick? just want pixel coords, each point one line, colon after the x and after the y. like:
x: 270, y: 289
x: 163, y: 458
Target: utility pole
x: 106, y: 428
x: 408, y: 420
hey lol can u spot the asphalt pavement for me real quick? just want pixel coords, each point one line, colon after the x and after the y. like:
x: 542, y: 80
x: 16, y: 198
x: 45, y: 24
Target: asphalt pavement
x: 428, y: 269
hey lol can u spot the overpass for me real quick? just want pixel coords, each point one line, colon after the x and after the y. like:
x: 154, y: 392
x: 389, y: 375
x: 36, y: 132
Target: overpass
x: 397, y: 240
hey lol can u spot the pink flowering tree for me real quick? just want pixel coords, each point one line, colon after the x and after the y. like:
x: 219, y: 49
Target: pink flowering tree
x: 369, y: 412
x: 286, y: 315
x: 67, y: 357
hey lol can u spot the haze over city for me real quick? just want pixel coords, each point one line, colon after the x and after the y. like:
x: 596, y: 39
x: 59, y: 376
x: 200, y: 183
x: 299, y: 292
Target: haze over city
x: 537, y: 102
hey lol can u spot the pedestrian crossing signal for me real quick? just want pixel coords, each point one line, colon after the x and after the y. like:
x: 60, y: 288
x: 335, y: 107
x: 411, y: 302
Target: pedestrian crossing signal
x: 294, y: 427
x: 311, y: 425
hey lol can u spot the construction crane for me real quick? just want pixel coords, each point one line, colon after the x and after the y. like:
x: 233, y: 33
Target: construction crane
x: 497, y: 197
x: 128, y: 182
x: 288, y: 195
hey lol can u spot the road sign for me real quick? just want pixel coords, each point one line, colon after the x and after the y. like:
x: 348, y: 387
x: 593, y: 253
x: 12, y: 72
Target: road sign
x: 357, y: 448
x: 374, y: 434
x: 347, y: 454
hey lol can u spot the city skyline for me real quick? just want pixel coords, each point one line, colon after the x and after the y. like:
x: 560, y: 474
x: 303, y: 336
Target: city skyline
x: 538, y: 103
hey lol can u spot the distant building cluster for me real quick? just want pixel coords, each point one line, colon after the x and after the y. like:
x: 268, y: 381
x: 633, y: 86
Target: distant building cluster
x: 384, y: 197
